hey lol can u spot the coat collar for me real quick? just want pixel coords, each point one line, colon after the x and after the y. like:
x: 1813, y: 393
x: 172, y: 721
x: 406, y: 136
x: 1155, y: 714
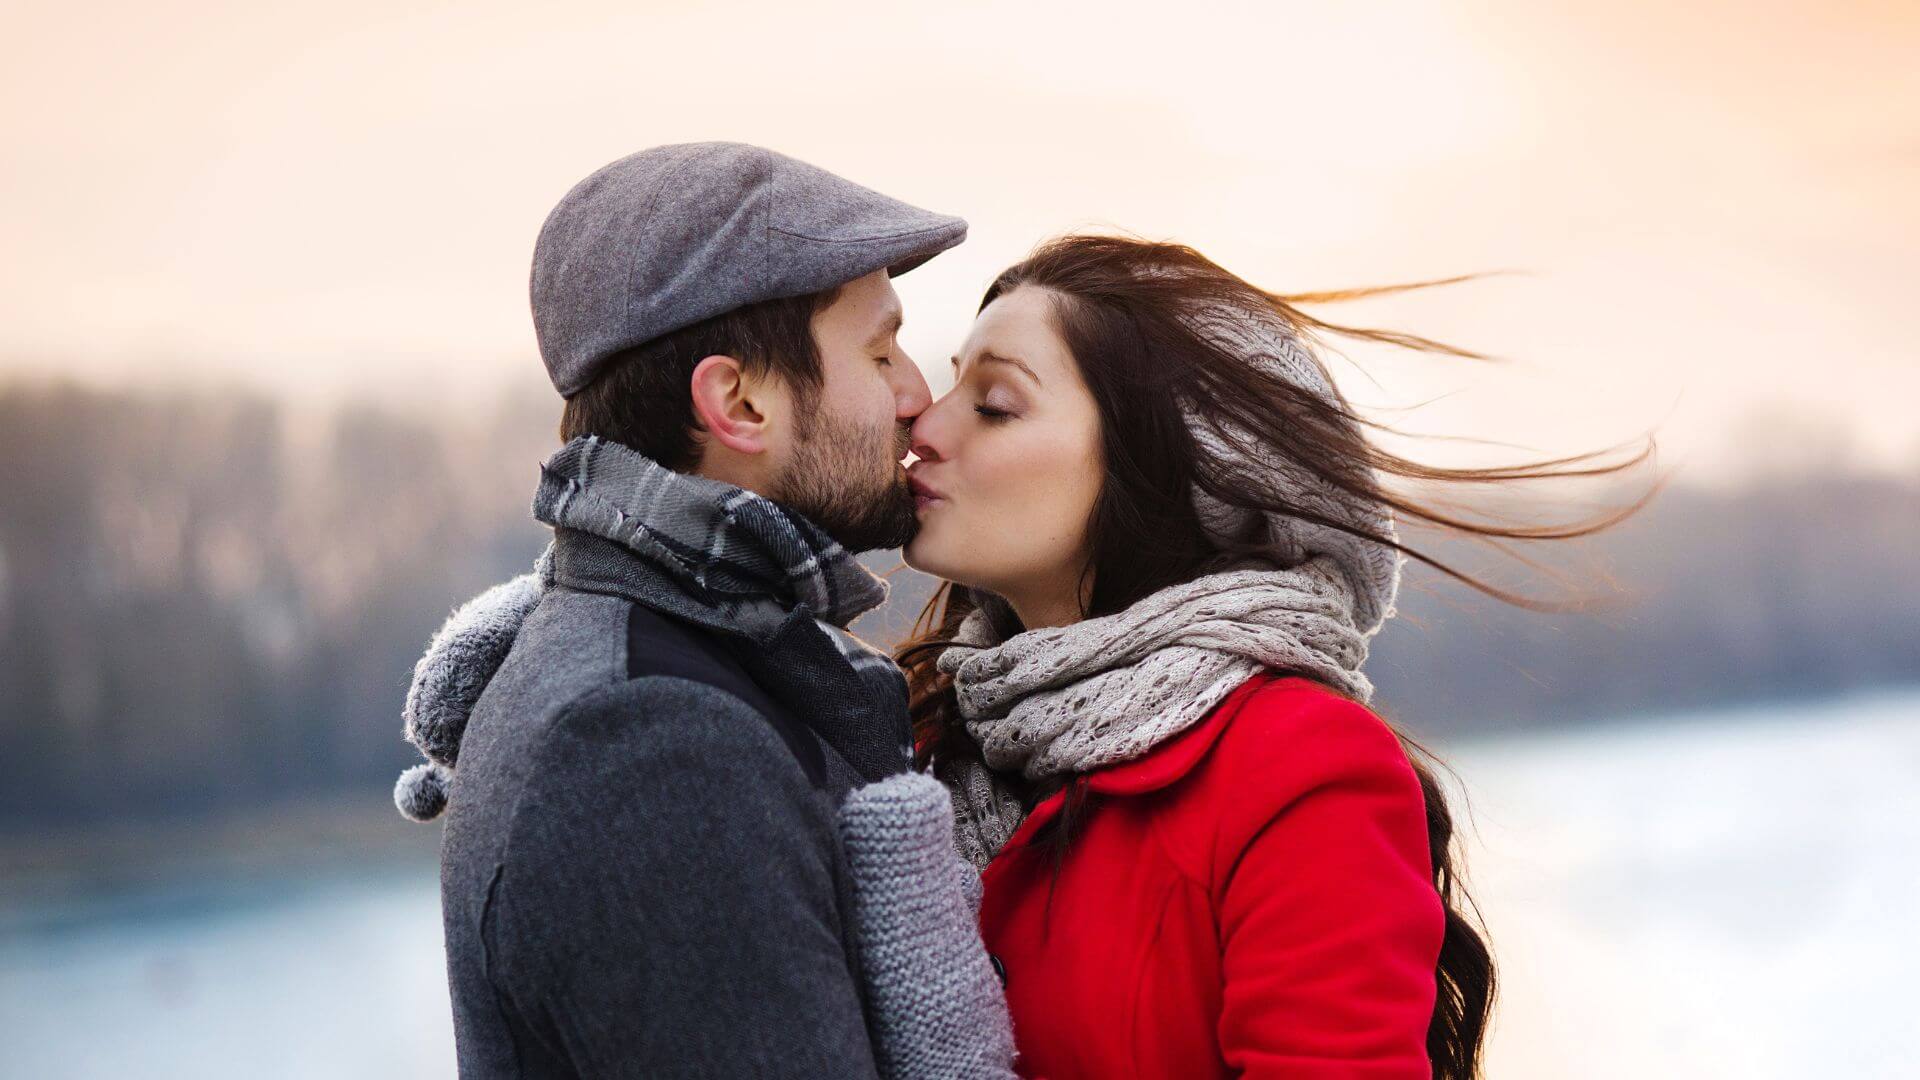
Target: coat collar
x: 1159, y: 767
x: 848, y: 692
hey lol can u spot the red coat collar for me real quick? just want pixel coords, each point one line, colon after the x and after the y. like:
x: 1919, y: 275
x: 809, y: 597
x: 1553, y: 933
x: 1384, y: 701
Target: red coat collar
x: 1158, y: 767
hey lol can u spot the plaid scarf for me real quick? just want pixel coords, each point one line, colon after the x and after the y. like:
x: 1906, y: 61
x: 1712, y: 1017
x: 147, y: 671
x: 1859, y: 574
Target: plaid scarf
x: 724, y: 557
x: 728, y: 547
x: 713, y: 554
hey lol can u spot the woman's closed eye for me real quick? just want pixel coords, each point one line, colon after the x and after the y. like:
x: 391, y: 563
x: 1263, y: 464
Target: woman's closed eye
x: 991, y: 414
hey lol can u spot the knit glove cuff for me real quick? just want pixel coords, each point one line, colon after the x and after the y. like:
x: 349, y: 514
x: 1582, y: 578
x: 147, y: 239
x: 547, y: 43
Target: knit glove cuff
x: 936, y: 1005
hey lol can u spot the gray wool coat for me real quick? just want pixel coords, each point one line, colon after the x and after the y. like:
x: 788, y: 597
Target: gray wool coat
x: 668, y: 853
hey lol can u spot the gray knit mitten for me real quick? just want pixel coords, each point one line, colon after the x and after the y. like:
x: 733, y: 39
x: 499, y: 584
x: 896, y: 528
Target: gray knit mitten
x: 937, y: 1007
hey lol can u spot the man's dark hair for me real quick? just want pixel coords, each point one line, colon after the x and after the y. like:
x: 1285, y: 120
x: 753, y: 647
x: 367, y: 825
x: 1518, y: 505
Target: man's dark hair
x: 642, y: 398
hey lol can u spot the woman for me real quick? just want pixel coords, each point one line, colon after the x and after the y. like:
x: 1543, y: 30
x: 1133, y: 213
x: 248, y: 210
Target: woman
x: 1202, y: 853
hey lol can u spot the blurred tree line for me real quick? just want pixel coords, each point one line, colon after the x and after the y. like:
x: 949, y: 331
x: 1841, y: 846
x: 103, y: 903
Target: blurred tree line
x: 206, y: 601
x: 211, y: 599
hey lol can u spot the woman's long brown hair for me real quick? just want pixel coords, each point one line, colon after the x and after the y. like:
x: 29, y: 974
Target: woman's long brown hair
x: 1121, y: 305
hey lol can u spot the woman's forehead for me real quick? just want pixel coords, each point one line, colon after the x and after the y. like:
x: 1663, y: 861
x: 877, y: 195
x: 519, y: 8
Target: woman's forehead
x: 1017, y: 326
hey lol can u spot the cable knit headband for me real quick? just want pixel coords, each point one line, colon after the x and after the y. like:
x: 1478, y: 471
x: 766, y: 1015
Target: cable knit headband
x: 1263, y: 338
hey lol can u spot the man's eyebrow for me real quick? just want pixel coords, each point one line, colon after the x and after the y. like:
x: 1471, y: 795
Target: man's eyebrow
x: 1014, y: 361
x: 895, y: 319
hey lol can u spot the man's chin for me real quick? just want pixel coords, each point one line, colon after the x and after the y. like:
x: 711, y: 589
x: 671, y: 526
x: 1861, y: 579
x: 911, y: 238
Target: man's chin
x: 877, y: 525
x: 893, y: 524
x: 858, y: 516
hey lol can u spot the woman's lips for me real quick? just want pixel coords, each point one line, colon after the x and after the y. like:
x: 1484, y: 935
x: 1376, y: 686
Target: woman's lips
x: 923, y: 496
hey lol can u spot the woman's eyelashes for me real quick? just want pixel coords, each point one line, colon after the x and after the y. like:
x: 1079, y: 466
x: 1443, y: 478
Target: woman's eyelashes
x: 994, y: 406
x: 993, y: 414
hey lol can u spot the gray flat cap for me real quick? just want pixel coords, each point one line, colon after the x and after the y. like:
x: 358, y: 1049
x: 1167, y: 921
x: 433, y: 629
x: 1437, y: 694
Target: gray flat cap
x: 664, y: 238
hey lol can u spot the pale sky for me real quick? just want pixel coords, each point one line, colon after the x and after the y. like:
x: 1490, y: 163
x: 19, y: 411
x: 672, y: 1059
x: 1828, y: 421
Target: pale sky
x: 1711, y: 205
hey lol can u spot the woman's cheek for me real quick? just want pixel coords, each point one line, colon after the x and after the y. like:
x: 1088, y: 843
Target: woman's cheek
x: 1034, y: 514
x: 999, y: 520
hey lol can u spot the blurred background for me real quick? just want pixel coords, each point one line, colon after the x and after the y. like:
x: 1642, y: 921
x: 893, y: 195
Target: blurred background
x: 270, y: 407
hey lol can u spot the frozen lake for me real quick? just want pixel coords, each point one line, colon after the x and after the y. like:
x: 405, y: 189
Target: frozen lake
x: 1720, y: 894
x: 1729, y: 896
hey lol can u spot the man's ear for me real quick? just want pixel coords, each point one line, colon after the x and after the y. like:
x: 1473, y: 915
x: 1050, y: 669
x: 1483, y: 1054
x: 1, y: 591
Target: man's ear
x: 724, y: 401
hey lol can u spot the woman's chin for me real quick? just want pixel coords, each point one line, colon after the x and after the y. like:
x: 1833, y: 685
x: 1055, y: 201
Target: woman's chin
x: 923, y: 554
x: 914, y: 554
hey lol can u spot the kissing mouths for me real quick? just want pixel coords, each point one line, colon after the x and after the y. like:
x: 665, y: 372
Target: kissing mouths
x: 924, y: 495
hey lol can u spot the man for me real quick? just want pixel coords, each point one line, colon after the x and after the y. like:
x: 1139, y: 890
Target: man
x: 640, y: 870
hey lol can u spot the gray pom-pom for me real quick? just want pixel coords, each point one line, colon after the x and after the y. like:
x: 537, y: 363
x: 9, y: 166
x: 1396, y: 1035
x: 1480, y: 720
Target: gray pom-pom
x: 462, y: 657
x: 421, y: 792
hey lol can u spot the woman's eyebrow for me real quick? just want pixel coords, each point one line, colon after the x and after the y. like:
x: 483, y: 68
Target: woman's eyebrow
x: 1014, y: 361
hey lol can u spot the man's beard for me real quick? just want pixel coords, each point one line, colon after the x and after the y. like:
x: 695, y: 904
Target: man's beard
x: 834, y: 480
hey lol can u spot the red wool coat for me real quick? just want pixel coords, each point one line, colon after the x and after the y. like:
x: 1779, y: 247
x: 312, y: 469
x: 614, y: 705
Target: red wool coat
x: 1251, y: 898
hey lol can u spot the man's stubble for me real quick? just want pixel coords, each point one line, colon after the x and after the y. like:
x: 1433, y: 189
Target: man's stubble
x: 842, y: 479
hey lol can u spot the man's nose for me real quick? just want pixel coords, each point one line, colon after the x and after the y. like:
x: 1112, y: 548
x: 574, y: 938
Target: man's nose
x: 911, y: 397
x: 920, y: 437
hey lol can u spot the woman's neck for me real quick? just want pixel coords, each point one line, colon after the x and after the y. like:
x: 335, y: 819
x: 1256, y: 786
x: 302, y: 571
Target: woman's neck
x: 1052, y: 603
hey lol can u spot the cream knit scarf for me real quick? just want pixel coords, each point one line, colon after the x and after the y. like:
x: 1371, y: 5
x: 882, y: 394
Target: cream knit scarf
x: 1074, y: 698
